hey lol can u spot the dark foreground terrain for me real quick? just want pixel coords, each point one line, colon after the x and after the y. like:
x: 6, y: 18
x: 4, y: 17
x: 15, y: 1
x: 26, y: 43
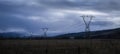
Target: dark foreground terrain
x: 83, y: 46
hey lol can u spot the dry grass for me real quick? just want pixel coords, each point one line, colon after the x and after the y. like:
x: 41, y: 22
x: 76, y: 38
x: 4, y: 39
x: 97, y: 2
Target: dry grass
x: 83, y: 46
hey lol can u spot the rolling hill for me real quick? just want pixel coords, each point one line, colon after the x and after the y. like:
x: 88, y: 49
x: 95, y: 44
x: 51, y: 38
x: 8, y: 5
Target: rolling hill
x: 11, y: 35
x: 103, y: 34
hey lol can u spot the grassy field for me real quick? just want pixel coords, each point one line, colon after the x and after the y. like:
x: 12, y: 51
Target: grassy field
x: 54, y: 46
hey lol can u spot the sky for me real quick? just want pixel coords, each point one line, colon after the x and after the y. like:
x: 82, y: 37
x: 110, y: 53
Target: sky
x: 59, y: 16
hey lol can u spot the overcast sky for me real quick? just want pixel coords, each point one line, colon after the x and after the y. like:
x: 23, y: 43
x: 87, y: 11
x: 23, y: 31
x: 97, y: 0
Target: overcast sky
x: 60, y: 16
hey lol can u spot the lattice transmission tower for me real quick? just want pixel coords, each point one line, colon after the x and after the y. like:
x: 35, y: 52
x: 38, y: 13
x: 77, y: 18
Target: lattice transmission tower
x: 45, y: 32
x: 87, y: 20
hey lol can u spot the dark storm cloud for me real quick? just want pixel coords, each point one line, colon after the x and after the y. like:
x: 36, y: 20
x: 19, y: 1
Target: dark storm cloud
x: 15, y: 16
x: 102, y: 23
x: 7, y: 22
x: 23, y: 9
x: 99, y: 5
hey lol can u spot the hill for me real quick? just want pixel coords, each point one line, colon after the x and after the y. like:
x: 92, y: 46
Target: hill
x: 11, y: 35
x: 103, y: 34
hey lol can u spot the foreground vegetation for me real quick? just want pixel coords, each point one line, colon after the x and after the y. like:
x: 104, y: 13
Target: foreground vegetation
x: 63, y: 46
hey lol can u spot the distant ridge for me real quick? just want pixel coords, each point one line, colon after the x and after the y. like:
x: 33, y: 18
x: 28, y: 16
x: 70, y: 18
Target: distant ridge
x: 11, y: 35
x: 103, y: 34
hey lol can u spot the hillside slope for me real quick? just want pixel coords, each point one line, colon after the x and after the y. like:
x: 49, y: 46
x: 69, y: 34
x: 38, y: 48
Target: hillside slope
x: 103, y: 34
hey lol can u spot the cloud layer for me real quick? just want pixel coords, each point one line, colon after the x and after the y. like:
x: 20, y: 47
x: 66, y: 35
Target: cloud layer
x: 60, y: 16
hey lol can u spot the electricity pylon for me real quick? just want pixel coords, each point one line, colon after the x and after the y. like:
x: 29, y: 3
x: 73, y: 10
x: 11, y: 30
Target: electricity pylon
x: 45, y: 35
x: 45, y: 31
x: 31, y: 34
x: 87, y: 24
